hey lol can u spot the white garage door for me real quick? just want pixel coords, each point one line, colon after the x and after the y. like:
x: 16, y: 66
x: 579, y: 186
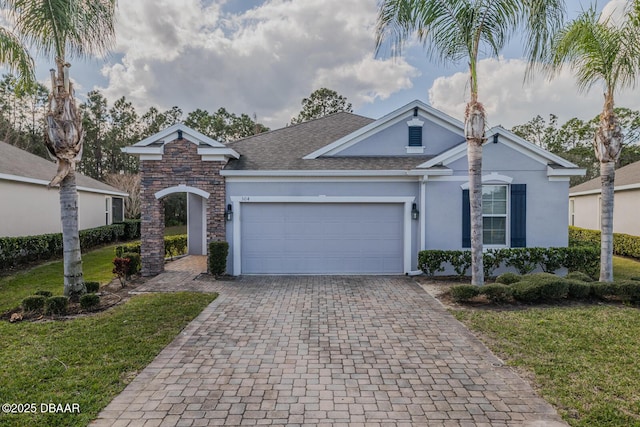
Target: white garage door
x: 321, y: 238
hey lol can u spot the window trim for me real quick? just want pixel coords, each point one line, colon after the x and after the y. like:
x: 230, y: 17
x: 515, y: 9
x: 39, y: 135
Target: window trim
x: 506, y: 215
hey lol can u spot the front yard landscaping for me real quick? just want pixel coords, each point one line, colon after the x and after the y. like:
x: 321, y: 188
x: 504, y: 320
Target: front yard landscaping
x: 85, y: 360
x: 582, y: 357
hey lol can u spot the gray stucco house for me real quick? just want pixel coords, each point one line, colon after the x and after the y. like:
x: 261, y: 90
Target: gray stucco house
x: 346, y: 194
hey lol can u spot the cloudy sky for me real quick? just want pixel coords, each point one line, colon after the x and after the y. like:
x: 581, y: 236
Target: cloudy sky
x: 263, y: 56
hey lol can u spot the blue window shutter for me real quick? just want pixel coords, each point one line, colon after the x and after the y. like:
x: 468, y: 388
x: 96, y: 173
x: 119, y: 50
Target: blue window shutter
x: 466, y: 220
x: 415, y: 136
x: 518, y: 215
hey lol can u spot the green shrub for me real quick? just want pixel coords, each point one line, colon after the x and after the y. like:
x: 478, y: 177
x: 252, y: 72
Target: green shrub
x: 497, y: 292
x: 508, y: 278
x: 578, y: 289
x: 45, y: 294
x: 623, y: 244
x: 629, y: 290
x: 460, y: 261
x: 604, y: 289
x: 175, y: 245
x: 461, y: 293
x: 18, y: 251
x: 525, y: 260
x: 218, y: 252
x: 89, y: 301
x: 132, y: 229
x: 526, y: 292
x: 135, y: 263
x: 551, y: 287
x: 432, y: 261
x: 56, y: 305
x: 121, y: 269
x: 92, y: 287
x: 128, y: 248
x: 33, y: 303
x: 579, y: 275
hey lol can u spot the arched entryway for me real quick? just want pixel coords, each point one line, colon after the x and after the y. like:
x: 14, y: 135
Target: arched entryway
x: 181, y: 160
x: 196, y: 216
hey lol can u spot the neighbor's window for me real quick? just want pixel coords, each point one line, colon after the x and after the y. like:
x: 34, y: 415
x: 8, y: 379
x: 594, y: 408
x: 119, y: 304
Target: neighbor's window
x: 494, y: 214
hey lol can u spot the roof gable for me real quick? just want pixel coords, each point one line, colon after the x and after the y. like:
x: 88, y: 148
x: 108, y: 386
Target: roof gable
x: 152, y: 147
x: 402, y: 114
x: 499, y: 134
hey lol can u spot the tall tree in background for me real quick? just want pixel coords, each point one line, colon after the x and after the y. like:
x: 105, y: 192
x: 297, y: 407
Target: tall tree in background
x: 459, y: 30
x: 65, y: 29
x: 599, y: 50
x: 320, y: 103
x: 95, y: 122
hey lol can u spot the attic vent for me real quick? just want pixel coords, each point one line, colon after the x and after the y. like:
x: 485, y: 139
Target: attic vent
x: 415, y: 136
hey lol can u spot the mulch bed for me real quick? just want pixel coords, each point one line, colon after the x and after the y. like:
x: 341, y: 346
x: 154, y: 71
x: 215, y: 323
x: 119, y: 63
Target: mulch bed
x: 111, y: 295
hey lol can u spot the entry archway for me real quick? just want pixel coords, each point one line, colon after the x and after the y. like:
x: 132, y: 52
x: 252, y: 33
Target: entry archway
x: 196, y: 216
x: 180, y: 159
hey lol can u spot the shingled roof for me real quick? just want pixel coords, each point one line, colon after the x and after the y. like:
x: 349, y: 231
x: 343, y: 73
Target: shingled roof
x: 284, y: 149
x: 626, y: 176
x: 20, y: 165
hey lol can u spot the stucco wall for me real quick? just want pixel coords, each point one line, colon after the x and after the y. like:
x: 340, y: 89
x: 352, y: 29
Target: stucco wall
x: 547, y: 203
x: 32, y: 209
x: 394, y: 140
x: 626, y: 206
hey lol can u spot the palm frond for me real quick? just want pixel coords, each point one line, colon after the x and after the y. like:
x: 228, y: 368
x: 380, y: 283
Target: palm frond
x: 596, y: 50
x: 15, y: 56
x: 74, y: 28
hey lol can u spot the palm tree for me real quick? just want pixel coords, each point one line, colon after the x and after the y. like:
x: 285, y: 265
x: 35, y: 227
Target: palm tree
x: 598, y: 50
x: 457, y: 30
x: 65, y: 29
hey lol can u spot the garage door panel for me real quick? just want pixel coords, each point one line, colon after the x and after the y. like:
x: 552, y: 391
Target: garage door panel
x: 307, y: 238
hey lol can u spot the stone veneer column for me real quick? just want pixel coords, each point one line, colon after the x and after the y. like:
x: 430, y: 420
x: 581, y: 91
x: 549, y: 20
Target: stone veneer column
x: 180, y: 165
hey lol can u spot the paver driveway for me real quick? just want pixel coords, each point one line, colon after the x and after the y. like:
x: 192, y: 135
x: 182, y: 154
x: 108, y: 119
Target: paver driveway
x: 369, y: 351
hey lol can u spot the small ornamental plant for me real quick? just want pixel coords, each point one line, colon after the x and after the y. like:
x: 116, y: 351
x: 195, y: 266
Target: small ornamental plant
x: 121, y: 269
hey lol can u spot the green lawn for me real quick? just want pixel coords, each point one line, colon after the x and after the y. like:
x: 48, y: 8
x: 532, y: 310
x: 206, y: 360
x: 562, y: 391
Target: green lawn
x: 176, y: 230
x: 97, y: 267
x: 585, y: 359
x: 86, y: 361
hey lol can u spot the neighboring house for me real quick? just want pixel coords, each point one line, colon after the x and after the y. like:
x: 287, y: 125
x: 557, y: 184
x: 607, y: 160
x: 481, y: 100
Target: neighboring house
x: 346, y: 194
x: 585, y: 202
x: 28, y: 207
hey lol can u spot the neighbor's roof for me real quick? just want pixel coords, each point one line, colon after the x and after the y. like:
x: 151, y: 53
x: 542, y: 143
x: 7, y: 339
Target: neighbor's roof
x: 284, y: 149
x: 627, y: 178
x: 22, y: 166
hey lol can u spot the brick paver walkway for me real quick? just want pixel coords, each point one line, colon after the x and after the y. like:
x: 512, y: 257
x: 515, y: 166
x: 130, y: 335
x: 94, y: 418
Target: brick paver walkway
x: 327, y: 350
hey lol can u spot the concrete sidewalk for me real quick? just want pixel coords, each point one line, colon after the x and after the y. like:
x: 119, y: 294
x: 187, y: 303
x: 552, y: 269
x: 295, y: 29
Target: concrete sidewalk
x: 324, y: 350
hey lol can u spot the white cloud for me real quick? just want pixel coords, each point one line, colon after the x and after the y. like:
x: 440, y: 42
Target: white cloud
x: 263, y: 60
x: 509, y: 102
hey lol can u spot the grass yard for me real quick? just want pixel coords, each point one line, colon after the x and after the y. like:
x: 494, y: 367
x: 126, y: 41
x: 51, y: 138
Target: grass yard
x: 88, y: 360
x: 97, y: 267
x: 175, y: 230
x: 585, y: 359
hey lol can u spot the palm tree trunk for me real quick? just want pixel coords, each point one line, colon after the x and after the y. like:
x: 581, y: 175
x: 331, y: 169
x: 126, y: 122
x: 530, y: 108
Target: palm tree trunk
x: 73, y: 280
x: 607, y: 145
x: 474, y: 133
x: 607, y: 177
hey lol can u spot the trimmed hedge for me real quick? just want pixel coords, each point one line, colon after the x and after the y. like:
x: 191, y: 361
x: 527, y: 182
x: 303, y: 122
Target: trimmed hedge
x: 461, y: 293
x: 56, y: 305
x: 218, y: 252
x: 497, y: 292
x: 89, y: 301
x: 585, y: 259
x: 623, y: 244
x: 92, y: 287
x: 33, y: 303
x: 508, y: 278
x: 173, y: 246
x: 17, y: 251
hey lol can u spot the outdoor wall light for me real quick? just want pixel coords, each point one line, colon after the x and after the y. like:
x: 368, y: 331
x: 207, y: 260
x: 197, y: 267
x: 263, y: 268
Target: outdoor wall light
x: 415, y: 213
x: 495, y: 138
x: 229, y: 213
